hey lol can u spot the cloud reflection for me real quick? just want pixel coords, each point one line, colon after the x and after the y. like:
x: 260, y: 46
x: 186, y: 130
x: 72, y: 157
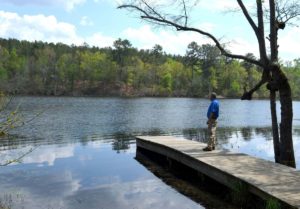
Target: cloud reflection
x: 37, y: 190
x: 49, y: 154
x: 64, y: 190
x: 41, y: 155
x: 146, y: 194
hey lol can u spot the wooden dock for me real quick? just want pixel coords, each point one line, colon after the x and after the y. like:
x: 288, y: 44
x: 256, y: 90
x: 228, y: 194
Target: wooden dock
x: 263, y: 178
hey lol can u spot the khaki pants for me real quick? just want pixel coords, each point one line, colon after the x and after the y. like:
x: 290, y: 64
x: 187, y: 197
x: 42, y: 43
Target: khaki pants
x: 212, y: 128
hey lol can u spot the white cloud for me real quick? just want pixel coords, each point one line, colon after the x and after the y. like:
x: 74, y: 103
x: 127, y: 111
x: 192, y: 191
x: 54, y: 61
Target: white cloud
x: 67, y: 5
x: 172, y: 42
x: 49, y: 29
x: 85, y: 21
x: 37, y: 27
x: 145, y: 37
x: 176, y: 42
x: 97, y: 39
x: 46, y: 28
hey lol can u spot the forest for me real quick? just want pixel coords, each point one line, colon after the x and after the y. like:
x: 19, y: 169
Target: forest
x: 39, y: 68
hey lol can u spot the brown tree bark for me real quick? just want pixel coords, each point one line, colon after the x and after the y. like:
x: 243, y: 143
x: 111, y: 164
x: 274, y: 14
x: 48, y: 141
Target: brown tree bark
x: 275, y: 132
x: 285, y: 154
x: 286, y: 138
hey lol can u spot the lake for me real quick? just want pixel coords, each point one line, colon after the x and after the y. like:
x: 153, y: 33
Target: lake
x: 81, y: 151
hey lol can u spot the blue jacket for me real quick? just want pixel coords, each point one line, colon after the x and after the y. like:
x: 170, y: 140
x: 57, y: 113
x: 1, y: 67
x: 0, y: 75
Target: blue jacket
x: 213, y: 108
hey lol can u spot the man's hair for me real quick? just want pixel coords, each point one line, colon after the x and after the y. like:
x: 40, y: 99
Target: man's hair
x: 213, y: 95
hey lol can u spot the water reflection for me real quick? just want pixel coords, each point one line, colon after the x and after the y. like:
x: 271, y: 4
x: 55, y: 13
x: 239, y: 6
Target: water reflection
x: 90, y: 176
x: 85, y: 148
x: 140, y: 194
x: 187, y: 182
x: 256, y: 142
x: 253, y: 141
x: 223, y: 134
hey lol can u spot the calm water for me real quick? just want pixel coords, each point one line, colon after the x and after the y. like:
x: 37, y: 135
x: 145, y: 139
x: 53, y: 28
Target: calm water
x: 84, y: 151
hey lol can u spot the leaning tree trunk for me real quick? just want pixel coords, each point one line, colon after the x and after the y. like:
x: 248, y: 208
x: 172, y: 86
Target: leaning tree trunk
x: 280, y: 81
x: 286, y: 139
x: 275, y: 132
x: 283, y: 145
x: 286, y: 151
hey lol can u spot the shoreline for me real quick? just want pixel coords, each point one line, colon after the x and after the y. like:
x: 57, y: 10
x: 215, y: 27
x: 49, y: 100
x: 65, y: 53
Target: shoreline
x: 136, y: 97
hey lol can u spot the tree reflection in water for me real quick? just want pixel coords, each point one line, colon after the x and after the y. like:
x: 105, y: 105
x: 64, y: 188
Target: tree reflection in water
x: 249, y: 140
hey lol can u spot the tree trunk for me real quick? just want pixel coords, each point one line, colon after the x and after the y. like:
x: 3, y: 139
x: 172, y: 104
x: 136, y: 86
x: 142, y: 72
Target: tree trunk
x: 276, y: 141
x: 286, y: 139
x: 286, y: 151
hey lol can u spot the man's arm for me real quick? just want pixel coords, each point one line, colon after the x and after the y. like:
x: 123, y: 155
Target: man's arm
x: 211, y: 117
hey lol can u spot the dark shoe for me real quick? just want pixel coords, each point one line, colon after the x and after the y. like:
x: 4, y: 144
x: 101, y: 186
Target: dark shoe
x: 208, y: 149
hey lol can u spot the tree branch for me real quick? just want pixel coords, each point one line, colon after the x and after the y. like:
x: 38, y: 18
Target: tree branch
x: 264, y: 79
x: 152, y: 9
x: 248, y: 17
x: 185, y: 13
x: 126, y: 6
x: 273, y: 32
x: 248, y: 95
x: 261, y: 33
x: 166, y: 22
x: 286, y: 11
x: 259, y: 30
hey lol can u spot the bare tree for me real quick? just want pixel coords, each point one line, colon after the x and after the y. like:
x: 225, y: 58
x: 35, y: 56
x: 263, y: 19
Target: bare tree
x: 274, y: 13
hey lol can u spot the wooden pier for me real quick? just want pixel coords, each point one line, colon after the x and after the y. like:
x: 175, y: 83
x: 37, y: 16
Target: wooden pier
x: 265, y: 179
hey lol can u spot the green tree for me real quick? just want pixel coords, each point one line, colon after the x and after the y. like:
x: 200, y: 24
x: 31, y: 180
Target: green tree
x: 67, y: 72
x: 4, y: 56
x: 293, y: 74
x: 120, y: 54
x: 192, y: 60
x: 47, y: 75
x: 207, y: 57
x: 213, y: 82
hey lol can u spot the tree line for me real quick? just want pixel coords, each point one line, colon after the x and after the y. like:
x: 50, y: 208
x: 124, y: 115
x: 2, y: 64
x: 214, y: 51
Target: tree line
x: 39, y: 68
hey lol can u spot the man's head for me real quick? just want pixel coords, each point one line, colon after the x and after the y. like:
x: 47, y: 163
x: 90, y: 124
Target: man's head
x: 213, y: 96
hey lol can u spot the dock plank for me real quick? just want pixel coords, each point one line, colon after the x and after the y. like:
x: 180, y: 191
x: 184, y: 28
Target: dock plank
x: 264, y: 178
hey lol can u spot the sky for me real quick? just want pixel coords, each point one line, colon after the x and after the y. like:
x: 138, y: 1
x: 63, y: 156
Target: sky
x: 100, y: 23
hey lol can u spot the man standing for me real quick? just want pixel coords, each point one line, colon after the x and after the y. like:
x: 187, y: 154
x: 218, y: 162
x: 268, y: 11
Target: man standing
x: 212, y: 116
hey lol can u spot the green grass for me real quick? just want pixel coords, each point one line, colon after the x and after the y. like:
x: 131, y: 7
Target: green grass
x: 240, y: 193
x: 273, y: 204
